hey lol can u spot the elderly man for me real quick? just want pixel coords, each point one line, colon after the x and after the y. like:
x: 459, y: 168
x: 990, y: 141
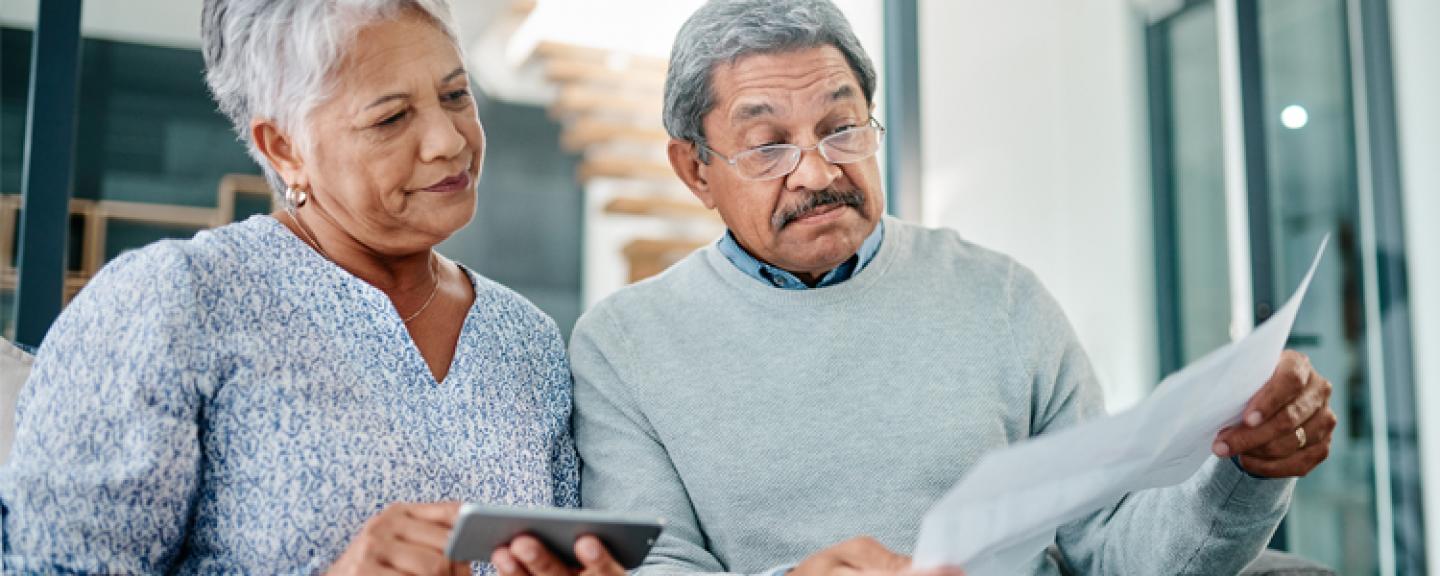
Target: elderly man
x: 823, y: 371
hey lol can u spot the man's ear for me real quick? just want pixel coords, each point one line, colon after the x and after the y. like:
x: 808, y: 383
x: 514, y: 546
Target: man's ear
x: 280, y: 150
x: 687, y: 166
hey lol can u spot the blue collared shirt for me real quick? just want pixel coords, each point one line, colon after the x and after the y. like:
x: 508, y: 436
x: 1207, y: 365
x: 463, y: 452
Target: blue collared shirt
x: 783, y: 279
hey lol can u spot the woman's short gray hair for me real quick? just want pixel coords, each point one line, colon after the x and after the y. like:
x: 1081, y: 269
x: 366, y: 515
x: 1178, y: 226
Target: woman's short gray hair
x: 273, y: 59
x: 723, y: 31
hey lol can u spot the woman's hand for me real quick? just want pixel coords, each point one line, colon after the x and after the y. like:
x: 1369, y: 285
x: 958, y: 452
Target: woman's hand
x: 526, y: 556
x: 403, y: 539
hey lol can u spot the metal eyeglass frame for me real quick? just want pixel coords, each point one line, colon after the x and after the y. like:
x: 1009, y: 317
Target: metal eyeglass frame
x: 797, y: 152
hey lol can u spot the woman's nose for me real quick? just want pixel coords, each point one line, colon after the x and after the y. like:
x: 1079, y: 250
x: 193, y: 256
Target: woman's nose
x: 442, y: 139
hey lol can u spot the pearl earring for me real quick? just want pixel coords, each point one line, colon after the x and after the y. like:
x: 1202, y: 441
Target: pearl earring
x: 296, y: 196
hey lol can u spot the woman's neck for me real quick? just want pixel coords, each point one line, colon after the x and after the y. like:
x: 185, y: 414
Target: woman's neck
x: 401, y: 276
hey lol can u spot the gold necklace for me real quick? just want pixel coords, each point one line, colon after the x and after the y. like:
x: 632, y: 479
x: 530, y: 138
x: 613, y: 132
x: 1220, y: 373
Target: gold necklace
x: 434, y: 288
x: 434, y: 275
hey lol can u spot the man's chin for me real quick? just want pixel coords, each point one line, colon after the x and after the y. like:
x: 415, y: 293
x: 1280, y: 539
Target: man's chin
x: 822, y: 253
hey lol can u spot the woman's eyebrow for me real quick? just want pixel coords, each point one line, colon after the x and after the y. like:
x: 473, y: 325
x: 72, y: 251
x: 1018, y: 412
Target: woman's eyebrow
x: 387, y: 98
x: 459, y: 71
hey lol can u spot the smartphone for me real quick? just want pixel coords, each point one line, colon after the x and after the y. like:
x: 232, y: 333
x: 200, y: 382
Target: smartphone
x: 481, y: 529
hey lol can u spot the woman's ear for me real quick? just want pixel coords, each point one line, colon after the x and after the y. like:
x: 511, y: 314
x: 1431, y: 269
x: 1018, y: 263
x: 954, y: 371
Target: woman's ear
x: 691, y: 171
x: 280, y: 150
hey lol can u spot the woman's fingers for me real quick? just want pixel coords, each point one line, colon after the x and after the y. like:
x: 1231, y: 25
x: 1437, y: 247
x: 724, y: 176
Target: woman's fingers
x: 443, y: 513
x: 411, y: 558
x: 421, y: 532
x: 527, y: 556
x: 595, y: 558
x: 401, y: 539
x: 536, y: 559
x: 506, y: 564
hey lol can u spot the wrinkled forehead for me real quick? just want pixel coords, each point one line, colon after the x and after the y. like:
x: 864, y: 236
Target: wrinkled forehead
x: 778, y: 104
x: 784, y: 84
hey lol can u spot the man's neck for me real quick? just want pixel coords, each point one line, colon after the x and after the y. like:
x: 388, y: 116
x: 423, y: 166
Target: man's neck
x: 780, y: 277
x: 810, y: 278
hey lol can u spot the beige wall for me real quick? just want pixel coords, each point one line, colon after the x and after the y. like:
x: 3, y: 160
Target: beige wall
x: 1035, y: 144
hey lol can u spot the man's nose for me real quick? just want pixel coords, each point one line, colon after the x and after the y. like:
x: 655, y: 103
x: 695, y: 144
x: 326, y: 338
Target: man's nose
x: 813, y: 173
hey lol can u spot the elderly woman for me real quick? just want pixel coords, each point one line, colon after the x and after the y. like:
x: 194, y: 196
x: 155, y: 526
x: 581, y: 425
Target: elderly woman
x: 267, y: 397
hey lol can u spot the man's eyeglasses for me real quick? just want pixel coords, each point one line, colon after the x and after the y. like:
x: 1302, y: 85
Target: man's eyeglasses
x: 779, y: 160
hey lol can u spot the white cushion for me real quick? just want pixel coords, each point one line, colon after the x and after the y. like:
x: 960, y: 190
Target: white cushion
x: 14, y: 369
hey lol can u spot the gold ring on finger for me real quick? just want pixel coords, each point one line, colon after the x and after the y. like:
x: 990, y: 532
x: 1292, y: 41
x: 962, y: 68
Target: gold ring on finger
x: 1300, y: 435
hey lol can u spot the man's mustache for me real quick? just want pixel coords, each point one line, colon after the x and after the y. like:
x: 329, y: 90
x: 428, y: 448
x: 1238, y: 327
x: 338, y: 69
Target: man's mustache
x: 853, y: 198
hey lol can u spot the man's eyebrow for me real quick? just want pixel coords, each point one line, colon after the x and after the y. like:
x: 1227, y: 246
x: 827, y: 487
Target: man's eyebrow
x: 750, y: 112
x: 846, y: 92
x: 459, y: 71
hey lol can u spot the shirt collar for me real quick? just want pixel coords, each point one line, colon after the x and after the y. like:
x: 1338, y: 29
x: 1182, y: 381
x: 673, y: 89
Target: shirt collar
x: 783, y: 279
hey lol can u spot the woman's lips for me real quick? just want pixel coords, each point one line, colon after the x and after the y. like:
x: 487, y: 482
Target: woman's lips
x: 454, y: 183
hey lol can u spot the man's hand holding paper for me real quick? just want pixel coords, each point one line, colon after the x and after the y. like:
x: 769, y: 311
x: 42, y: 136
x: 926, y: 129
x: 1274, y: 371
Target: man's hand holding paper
x: 1246, y: 399
x: 1287, y: 426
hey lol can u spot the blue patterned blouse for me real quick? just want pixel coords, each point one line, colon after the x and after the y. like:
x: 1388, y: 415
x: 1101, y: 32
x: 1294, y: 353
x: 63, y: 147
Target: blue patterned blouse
x: 235, y: 403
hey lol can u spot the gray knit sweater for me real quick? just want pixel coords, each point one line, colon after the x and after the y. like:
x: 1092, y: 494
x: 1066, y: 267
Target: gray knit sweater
x: 769, y: 424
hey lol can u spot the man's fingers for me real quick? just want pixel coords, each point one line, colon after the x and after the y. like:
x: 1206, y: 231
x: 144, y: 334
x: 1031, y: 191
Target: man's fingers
x: 1290, y: 377
x: 866, y: 553
x: 863, y: 555
x: 1297, y: 464
x: 1317, y: 431
x: 595, y: 558
x: 536, y: 559
x: 1243, y: 438
x: 940, y: 571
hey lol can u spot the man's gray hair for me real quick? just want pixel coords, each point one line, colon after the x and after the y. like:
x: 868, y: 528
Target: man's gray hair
x: 723, y: 31
x: 274, y: 59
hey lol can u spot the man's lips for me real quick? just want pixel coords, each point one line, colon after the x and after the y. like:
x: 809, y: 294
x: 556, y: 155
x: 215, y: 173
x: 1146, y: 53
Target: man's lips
x: 821, y: 214
x: 459, y: 181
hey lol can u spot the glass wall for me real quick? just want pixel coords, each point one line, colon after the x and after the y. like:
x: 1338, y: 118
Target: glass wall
x: 1307, y: 119
x: 1299, y: 120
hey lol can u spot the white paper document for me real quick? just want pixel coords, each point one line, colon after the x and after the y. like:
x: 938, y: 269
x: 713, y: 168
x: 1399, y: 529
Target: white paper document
x: 1004, y: 512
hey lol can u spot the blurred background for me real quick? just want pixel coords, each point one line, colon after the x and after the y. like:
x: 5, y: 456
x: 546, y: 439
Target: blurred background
x: 1167, y: 167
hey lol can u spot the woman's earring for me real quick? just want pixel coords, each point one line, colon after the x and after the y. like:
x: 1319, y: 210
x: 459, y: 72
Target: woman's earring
x: 296, y: 197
